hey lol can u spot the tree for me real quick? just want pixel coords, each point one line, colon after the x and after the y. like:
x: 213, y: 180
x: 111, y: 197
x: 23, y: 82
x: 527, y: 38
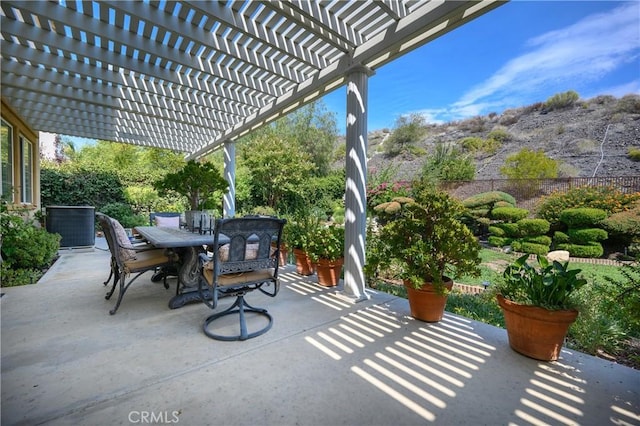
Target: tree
x: 408, y: 130
x: 529, y: 164
x: 199, y: 182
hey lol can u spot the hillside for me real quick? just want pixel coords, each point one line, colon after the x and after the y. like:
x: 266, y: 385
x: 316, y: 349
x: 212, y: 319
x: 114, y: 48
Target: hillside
x: 589, y: 138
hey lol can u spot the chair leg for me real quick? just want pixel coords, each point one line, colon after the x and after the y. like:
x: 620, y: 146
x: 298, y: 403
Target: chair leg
x: 240, y: 306
x: 123, y: 289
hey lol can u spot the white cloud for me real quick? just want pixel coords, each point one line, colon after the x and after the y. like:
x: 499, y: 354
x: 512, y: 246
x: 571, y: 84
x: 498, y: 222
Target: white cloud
x: 583, y: 52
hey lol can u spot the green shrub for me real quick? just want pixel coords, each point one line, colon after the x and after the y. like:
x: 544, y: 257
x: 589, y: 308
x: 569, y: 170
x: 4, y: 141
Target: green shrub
x: 528, y: 227
x: 497, y: 231
x: 503, y: 204
x: 509, y: 214
x: 582, y: 217
x: 634, y: 154
x: 587, y: 235
x: 488, y: 199
x: 562, y: 100
x: 625, y: 223
x: 408, y: 130
x: 582, y: 250
x: 560, y: 237
x: 607, y: 198
x: 544, y: 240
x: 123, y: 213
x: 510, y: 229
x: 26, y: 248
x: 527, y: 247
x: 472, y: 143
x: 479, y: 212
x: 529, y: 164
x: 499, y: 241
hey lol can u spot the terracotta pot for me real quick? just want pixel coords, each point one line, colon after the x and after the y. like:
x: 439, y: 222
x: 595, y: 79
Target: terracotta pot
x: 303, y: 263
x: 426, y: 303
x: 328, y: 271
x: 534, y: 331
x: 283, y: 254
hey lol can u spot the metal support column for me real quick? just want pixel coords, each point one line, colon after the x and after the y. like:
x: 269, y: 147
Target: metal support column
x: 356, y: 184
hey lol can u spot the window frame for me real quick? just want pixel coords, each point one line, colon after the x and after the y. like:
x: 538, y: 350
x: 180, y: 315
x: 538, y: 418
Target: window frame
x: 9, y: 188
x: 26, y: 170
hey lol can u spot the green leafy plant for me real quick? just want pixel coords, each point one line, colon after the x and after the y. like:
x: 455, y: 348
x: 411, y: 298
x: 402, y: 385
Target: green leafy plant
x: 562, y: 100
x: 326, y: 242
x: 425, y: 237
x: 548, y: 285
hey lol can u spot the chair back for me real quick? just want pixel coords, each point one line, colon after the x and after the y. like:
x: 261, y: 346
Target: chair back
x: 246, y: 244
x: 105, y: 225
x: 154, y: 215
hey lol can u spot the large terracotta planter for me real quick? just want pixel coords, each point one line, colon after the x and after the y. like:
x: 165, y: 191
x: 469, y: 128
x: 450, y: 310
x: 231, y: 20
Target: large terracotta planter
x: 303, y: 263
x: 329, y: 271
x: 536, y: 332
x: 283, y: 254
x: 426, y: 303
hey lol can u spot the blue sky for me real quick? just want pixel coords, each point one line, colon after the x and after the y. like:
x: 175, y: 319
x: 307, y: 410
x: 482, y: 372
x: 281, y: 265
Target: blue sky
x: 518, y: 54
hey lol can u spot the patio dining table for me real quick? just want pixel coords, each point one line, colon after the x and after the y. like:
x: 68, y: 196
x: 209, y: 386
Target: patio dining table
x: 187, y: 245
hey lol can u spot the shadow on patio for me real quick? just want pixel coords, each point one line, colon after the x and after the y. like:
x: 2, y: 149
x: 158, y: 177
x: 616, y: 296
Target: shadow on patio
x: 65, y: 360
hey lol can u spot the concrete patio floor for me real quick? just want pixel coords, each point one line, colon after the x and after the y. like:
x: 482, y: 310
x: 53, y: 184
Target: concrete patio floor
x: 65, y: 360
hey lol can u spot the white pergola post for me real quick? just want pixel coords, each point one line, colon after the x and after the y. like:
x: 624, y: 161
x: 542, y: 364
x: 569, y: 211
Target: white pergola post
x: 229, y: 208
x: 356, y: 184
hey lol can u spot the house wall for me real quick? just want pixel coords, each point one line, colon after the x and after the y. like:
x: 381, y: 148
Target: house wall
x: 22, y: 128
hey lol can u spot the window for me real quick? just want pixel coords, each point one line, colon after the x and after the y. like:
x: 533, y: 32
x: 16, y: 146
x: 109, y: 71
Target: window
x: 26, y: 167
x: 6, y: 160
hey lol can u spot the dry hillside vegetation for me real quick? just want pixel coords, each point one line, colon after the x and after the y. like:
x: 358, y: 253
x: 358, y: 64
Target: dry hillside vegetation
x: 588, y: 138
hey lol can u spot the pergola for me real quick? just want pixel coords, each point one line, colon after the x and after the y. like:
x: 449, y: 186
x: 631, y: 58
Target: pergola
x: 193, y: 76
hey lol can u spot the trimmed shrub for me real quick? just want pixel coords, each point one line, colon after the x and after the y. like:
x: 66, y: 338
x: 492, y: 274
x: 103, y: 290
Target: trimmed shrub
x: 582, y: 250
x: 624, y: 223
x: 533, y: 226
x: 499, y: 241
x: 479, y: 212
x: 560, y: 237
x: 532, y: 248
x: 510, y: 229
x: 544, y: 240
x: 497, y: 231
x: 607, y: 198
x: 509, y: 214
x: 587, y: 235
x: 488, y: 199
x: 581, y: 217
x: 503, y: 204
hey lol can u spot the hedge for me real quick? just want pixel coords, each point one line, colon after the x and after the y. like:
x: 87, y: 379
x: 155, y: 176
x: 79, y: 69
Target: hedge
x: 528, y: 227
x: 582, y: 217
x: 499, y: 241
x: 538, y: 239
x: 488, y: 199
x: 587, y: 235
x: 560, y: 237
x: 527, y: 247
x: 582, y: 250
x: 510, y: 229
x: 509, y: 214
x: 497, y: 231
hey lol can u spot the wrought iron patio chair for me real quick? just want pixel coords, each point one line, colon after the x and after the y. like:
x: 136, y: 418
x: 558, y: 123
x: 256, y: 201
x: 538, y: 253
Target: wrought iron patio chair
x: 127, y: 258
x: 161, y: 215
x: 248, y: 262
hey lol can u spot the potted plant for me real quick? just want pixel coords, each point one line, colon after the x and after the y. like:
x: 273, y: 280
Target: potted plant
x: 325, y: 248
x: 537, y: 304
x: 425, y: 240
x: 296, y: 232
x: 200, y: 183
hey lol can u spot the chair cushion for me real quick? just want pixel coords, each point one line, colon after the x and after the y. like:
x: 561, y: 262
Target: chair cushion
x: 168, y: 222
x: 123, y: 241
x: 239, y: 278
x: 146, y: 260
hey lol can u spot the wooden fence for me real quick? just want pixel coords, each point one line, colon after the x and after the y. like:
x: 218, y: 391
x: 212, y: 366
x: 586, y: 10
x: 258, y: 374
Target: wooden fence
x: 527, y: 192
